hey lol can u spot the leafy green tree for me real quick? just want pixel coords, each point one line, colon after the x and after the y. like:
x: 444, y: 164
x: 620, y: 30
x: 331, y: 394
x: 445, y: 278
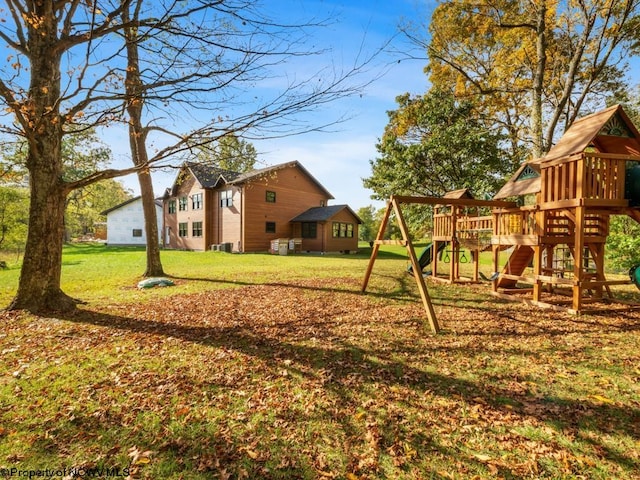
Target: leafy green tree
x: 368, y: 230
x: 623, y: 243
x: 14, y: 205
x: 534, y: 66
x: 392, y: 232
x: 229, y: 152
x: 434, y: 144
x: 84, y: 206
x: 235, y: 154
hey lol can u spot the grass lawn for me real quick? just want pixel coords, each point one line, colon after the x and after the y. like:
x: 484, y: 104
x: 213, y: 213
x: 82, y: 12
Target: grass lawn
x: 267, y: 366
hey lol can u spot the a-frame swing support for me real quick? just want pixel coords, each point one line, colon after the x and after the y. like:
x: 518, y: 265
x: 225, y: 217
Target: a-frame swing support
x: 394, y: 205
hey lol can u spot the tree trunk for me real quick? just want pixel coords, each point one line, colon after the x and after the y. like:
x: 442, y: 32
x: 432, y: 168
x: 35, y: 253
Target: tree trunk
x: 39, y: 286
x: 539, y: 149
x: 139, y: 155
x: 154, y: 265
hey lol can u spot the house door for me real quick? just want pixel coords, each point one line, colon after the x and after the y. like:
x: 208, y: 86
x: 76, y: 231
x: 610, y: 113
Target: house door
x: 167, y: 240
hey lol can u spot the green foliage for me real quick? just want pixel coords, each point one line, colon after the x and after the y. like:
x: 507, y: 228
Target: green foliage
x: 623, y: 243
x: 368, y: 229
x: 230, y: 153
x: 84, y: 206
x: 433, y: 144
x: 83, y: 154
x: 14, y: 208
x: 532, y: 67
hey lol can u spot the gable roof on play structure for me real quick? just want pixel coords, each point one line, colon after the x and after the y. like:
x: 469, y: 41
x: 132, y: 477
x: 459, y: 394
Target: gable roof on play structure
x: 462, y: 193
x: 607, y: 131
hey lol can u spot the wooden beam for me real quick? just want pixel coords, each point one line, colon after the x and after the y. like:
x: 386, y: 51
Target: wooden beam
x: 417, y: 271
x: 390, y: 242
x: 464, y: 202
x: 376, y: 246
x: 529, y: 240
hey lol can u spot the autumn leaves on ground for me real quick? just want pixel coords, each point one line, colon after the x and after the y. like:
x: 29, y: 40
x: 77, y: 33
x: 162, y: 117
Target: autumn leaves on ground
x: 308, y: 378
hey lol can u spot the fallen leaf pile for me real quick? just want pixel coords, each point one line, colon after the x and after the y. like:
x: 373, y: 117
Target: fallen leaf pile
x: 314, y: 379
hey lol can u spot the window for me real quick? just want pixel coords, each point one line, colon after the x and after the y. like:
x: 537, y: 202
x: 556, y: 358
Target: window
x: 196, y: 201
x: 342, y: 230
x: 196, y: 229
x: 182, y: 204
x: 137, y: 232
x: 309, y: 230
x: 226, y: 198
x: 183, y: 227
x: 270, y: 227
x: 270, y: 197
x: 172, y: 206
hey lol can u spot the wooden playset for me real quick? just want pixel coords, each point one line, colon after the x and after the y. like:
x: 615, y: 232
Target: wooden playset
x: 551, y: 218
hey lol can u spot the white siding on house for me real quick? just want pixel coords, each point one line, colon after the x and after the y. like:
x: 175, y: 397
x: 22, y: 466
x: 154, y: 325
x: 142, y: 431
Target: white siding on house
x: 124, y: 224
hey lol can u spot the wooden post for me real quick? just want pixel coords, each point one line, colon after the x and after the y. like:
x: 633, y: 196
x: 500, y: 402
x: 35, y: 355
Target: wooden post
x: 376, y: 246
x: 417, y: 273
x: 453, y: 266
x: 495, y: 249
x: 434, y: 258
x: 578, y: 259
x: 537, y: 271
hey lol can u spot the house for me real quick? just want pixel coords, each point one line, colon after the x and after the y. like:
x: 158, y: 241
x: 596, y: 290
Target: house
x: 327, y: 229
x: 208, y: 207
x: 125, y: 222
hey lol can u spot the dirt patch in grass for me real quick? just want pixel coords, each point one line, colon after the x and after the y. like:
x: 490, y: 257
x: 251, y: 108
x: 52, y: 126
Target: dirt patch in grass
x: 313, y: 379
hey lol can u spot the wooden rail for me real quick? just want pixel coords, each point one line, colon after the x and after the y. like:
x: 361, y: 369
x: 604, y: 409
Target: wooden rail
x: 588, y: 176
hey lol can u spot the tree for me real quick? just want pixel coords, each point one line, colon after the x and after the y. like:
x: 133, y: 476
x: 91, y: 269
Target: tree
x: 229, y: 152
x: 367, y: 231
x: 535, y: 66
x: 84, y: 206
x: 82, y: 154
x: 13, y: 218
x: 69, y: 66
x: 433, y: 144
x: 235, y: 154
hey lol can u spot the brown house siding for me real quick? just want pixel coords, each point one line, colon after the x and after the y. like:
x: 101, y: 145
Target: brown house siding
x: 295, y: 192
x: 317, y: 244
x: 325, y: 242
x: 341, y: 244
x: 229, y: 218
x: 187, y: 189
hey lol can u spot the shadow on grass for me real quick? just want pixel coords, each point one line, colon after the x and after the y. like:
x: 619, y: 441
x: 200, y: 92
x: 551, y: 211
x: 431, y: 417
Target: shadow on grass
x: 91, y: 248
x: 351, y: 370
x: 402, y: 292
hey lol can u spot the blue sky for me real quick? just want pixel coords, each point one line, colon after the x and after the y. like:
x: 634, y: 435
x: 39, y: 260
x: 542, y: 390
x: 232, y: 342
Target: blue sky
x: 339, y: 159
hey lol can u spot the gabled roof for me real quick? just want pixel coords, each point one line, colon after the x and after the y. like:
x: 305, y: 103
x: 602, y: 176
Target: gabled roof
x: 209, y: 176
x: 519, y: 185
x: 157, y: 201
x: 462, y: 193
x: 261, y: 173
x: 607, y: 131
x: 323, y: 214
